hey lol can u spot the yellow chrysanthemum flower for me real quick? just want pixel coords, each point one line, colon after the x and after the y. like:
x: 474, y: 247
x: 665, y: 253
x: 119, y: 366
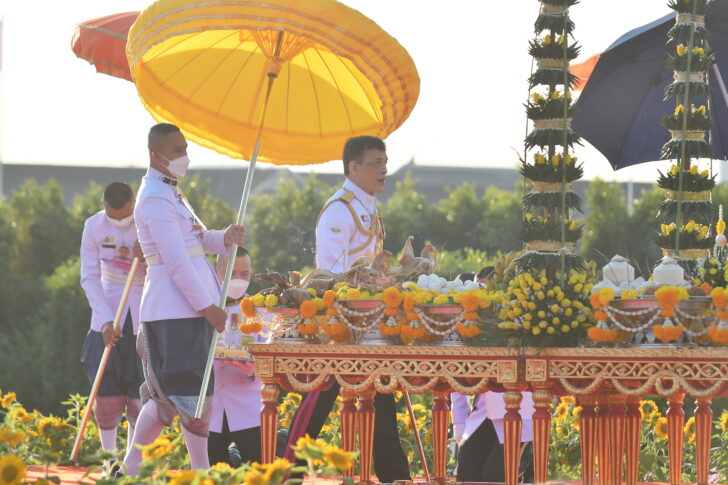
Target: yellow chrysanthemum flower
x: 271, y: 301
x: 12, y: 470
x: 258, y: 300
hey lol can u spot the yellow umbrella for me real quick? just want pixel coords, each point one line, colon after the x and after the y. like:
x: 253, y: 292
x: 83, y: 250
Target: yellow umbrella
x: 209, y: 67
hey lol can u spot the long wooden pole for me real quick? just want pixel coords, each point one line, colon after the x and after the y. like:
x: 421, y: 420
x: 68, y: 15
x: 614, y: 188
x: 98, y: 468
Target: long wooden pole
x: 104, y: 361
x: 416, y: 431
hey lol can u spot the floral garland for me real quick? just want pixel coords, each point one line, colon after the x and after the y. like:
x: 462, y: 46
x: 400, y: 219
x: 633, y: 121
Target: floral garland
x: 719, y: 331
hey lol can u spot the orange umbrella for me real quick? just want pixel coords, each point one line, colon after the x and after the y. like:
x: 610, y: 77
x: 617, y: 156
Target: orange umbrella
x: 583, y: 70
x: 102, y: 42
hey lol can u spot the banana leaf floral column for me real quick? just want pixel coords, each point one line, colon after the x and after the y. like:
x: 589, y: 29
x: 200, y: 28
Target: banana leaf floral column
x: 686, y: 213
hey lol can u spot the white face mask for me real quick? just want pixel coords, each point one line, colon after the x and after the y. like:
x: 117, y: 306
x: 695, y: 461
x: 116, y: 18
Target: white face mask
x: 237, y: 288
x: 121, y: 223
x: 178, y: 166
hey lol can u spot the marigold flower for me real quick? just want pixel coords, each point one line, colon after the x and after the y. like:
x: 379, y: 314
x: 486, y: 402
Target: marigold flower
x: 392, y: 297
x: 308, y: 309
x: 248, y: 307
x: 329, y: 298
x: 470, y: 302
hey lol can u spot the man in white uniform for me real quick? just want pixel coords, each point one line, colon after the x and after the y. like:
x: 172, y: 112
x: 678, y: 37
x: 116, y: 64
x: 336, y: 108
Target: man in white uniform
x: 348, y: 228
x: 179, y: 311
x: 237, y: 399
x: 479, y: 434
x: 107, y: 247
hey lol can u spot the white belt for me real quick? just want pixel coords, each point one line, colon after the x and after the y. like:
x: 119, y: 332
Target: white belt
x: 192, y: 251
x: 120, y: 278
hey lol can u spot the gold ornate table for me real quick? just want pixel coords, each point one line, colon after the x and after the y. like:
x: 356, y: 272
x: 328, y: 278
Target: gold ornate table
x: 607, y: 383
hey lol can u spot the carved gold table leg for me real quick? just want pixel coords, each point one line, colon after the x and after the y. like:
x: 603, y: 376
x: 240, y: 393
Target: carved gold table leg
x: 512, y: 433
x: 365, y: 422
x: 541, y: 432
x: 675, y: 424
x: 348, y: 425
x: 615, y: 436
x: 440, y: 423
x: 602, y: 443
x: 588, y: 431
x: 269, y: 420
x: 703, y: 424
x: 632, y: 440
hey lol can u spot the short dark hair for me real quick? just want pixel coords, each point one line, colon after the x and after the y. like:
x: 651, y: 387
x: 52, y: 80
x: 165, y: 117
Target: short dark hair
x: 485, y: 272
x: 158, y: 131
x: 469, y: 276
x: 117, y: 195
x: 241, y: 251
x: 355, y: 148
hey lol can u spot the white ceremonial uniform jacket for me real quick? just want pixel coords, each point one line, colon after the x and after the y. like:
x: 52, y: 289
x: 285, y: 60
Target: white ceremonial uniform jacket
x: 237, y: 391
x: 348, y: 228
x: 106, y: 255
x: 489, y: 405
x: 182, y: 285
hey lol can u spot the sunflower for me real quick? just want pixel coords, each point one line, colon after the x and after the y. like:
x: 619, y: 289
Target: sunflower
x: 185, y: 477
x: 689, y: 429
x: 222, y: 467
x: 724, y: 421
x: 12, y: 470
x: 561, y: 411
x: 7, y: 400
x: 254, y: 477
x: 568, y: 400
x: 160, y: 448
x: 13, y: 438
x: 20, y: 414
x: 277, y: 470
x: 661, y: 428
x: 648, y: 409
x: 338, y: 458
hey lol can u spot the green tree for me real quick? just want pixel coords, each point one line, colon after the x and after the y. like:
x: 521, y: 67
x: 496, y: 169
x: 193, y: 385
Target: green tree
x: 455, y: 222
x: 605, y: 230
x: 211, y: 210
x: 500, y: 222
x: 283, y: 225
x: 406, y: 213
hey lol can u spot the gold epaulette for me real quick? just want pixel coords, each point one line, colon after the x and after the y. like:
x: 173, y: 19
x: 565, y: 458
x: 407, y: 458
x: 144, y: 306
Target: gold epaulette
x: 347, y: 196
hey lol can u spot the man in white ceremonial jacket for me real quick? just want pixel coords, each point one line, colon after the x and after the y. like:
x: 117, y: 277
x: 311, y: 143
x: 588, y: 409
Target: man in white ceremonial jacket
x: 108, y: 244
x: 179, y: 311
x: 237, y: 399
x: 348, y: 228
x: 478, y: 430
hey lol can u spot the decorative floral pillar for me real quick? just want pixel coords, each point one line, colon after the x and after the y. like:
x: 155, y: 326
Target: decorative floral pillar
x: 512, y: 426
x: 541, y: 431
x: 548, y: 232
x: 686, y: 213
x: 269, y: 419
x: 440, y: 423
x: 365, y: 421
x: 632, y: 440
x: 588, y: 433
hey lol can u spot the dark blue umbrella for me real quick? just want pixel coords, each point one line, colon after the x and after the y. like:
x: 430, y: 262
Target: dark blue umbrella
x: 620, y: 109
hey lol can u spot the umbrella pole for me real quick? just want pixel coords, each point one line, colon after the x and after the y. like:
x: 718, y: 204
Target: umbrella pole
x: 102, y: 365
x: 241, y: 218
x: 721, y: 84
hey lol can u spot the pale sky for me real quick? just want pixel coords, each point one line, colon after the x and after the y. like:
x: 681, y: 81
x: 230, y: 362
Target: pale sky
x: 471, y: 56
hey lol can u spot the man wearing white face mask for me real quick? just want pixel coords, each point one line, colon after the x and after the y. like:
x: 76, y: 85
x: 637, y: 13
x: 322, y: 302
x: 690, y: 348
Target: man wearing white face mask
x: 179, y: 311
x: 237, y: 400
x: 107, y: 246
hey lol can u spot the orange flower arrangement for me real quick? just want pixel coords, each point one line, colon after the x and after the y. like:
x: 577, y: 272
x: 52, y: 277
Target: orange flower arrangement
x: 308, y: 309
x: 391, y: 330
x: 669, y: 296
x: 599, y: 334
x: 470, y: 302
x: 667, y: 333
x: 308, y: 328
x: 470, y: 316
x: 468, y: 330
x: 719, y: 336
x: 720, y: 300
x: 248, y: 308
x: 249, y: 328
x: 413, y: 332
x: 392, y: 297
x: 335, y: 329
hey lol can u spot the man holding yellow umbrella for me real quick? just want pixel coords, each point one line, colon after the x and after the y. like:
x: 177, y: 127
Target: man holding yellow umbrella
x: 281, y: 81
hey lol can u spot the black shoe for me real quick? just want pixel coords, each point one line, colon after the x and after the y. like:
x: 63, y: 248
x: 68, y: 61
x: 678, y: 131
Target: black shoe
x: 281, y: 442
